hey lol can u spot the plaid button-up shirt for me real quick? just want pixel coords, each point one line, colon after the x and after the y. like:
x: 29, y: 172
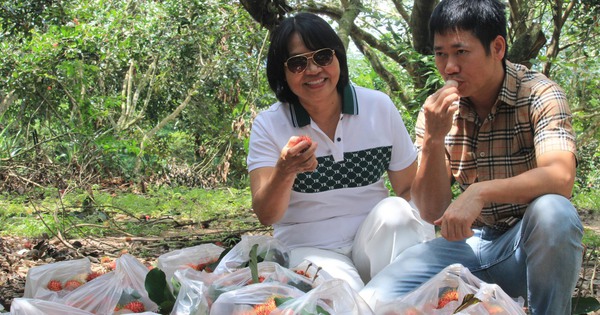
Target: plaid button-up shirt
x: 530, y: 117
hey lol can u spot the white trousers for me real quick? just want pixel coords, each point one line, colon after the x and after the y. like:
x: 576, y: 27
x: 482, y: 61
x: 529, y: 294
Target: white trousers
x: 392, y: 226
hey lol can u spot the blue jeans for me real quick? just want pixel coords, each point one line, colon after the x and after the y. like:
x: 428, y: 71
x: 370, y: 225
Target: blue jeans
x: 538, y: 259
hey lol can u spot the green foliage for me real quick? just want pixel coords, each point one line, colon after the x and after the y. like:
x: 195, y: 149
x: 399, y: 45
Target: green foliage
x: 591, y: 239
x: 69, y: 69
x: 586, y: 194
x: 158, y: 290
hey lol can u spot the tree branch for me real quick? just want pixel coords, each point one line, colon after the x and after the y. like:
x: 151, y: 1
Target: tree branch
x: 402, y: 11
x: 386, y: 75
x: 351, y: 9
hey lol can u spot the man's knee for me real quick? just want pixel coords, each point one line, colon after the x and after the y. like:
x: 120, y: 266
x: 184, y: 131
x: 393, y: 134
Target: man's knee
x: 552, y: 208
x: 554, y: 216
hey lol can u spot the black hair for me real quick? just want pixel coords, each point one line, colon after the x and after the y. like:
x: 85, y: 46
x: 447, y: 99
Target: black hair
x: 486, y: 19
x: 316, y: 33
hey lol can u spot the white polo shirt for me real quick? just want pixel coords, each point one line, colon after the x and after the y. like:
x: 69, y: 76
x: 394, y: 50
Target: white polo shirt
x: 328, y: 205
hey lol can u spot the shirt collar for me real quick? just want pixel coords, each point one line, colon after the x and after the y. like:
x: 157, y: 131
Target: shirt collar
x: 300, y: 117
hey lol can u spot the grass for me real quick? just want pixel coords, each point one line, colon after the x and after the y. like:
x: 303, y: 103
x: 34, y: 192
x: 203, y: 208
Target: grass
x: 105, y: 213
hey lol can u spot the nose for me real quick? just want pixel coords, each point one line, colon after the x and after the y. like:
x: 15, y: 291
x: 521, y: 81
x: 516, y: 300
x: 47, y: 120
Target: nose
x: 451, y: 66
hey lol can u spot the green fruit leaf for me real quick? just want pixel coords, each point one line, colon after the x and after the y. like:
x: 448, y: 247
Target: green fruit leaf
x: 214, y: 265
x: 467, y: 301
x: 254, y: 263
x: 158, y: 290
x: 166, y: 307
x: 280, y: 300
x: 585, y: 305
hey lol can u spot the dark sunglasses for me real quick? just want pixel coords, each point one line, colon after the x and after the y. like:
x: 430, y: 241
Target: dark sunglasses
x: 322, y: 57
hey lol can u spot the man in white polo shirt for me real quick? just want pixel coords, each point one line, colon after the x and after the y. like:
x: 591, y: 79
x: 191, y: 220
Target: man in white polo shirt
x: 326, y: 196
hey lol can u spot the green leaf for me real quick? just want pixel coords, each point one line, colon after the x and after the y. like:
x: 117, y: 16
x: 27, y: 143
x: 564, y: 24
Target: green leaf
x: 254, y: 263
x: 585, y: 305
x: 166, y: 307
x: 214, y: 265
x: 280, y: 300
x: 468, y: 300
x: 158, y: 290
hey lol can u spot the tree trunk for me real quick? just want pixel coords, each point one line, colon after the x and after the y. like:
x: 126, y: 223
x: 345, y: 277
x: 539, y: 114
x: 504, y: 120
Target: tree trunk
x: 419, y: 25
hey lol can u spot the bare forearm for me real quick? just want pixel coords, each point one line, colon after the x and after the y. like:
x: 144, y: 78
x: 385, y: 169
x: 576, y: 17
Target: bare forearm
x: 402, y: 180
x: 272, y: 186
x: 431, y: 187
x: 270, y: 199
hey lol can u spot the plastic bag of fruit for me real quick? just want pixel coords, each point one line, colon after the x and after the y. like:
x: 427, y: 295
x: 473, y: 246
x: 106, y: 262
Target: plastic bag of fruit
x: 134, y: 276
x: 203, y: 257
x: 306, y: 276
x: 121, y: 291
x: 440, y: 295
x: 269, y: 249
x: 238, y: 279
x: 332, y: 297
x: 26, y: 306
x: 255, y: 299
x: 191, y: 299
x: 99, y: 296
x: 491, y: 299
x: 53, y: 281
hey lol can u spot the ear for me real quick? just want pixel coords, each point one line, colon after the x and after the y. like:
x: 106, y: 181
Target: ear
x: 498, y: 47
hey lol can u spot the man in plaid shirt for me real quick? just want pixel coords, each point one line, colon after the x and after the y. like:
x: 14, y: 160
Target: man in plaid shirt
x: 504, y: 134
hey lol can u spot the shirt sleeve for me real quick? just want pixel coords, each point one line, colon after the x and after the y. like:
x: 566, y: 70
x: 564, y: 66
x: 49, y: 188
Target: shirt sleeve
x: 419, y: 133
x: 551, y: 119
x: 262, y: 149
x: 403, y: 148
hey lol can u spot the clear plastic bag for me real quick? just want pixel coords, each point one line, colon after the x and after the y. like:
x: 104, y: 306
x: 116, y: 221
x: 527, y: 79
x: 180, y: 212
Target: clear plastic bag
x: 238, y: 279
x: 196, y: 257
x: 255, y: 299
x: 55, y: 276
x: 311, y: 271
x: 99, y: 296
x: 121, y: 291
x: 191, y: 299
x: 333, y: 297
x: 440, y: 295
x: 493, y: 300
x: 269, y: 249
x: 134, y: 277
x: 26, y: 306
x: 306, y: 276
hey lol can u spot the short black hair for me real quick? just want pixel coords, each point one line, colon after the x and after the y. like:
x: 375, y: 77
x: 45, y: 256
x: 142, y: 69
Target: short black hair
x: 316, y: 33
x: 486, y: 19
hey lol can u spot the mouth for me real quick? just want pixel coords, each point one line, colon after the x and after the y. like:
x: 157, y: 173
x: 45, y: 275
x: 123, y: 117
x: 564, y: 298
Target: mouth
x: 316, y: 82
x: 458, y: 81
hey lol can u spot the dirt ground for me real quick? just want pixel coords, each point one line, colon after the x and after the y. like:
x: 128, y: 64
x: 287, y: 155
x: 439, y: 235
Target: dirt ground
x: 18, y: 255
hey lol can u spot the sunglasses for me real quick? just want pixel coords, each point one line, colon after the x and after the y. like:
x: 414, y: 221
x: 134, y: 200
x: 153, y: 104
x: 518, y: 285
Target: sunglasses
x: 322, y: 57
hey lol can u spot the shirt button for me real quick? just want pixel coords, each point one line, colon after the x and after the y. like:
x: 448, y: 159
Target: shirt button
x: 482, y: 154
x: 339, y: 139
